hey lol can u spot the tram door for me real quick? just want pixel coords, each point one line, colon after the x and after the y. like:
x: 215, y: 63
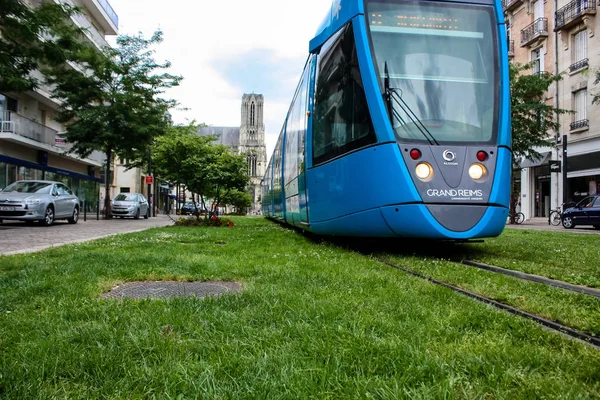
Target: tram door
x: 308, y: 84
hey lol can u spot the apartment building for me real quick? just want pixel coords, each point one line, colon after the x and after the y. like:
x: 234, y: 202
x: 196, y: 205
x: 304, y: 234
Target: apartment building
x: 31, y: 145
x: 558, y: 36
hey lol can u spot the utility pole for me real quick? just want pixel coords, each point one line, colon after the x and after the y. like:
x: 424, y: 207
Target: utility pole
x: 564, y: 168
x: 150, y: 196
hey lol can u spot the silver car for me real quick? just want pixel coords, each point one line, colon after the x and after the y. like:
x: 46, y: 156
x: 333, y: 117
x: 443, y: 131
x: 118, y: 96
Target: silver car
x: 43, y: 201
x: 130, y: 205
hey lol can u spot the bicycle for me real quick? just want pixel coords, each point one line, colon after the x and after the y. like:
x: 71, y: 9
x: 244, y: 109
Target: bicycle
x: 519, y: 217
x: 555, y: 217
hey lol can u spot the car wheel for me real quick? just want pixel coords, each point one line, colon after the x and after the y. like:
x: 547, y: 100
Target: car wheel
x: 147, y: 214
x: 568, y: 222
x: 75, y: 217
x: 48, y: 216
x: 137, y: 214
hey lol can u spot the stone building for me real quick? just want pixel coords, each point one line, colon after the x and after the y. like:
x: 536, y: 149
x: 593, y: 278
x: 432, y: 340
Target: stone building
x: 248, y: 139
x: 558, y: 37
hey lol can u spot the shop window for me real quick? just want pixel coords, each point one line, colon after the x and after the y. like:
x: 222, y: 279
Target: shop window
x: 3, y: 183
x: 341, y: 122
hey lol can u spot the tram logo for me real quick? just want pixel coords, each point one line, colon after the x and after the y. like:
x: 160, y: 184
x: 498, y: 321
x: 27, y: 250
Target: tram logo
x: 449, y: 156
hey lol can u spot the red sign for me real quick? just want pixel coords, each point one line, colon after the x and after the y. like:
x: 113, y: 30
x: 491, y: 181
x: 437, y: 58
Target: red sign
x: 149, y: 180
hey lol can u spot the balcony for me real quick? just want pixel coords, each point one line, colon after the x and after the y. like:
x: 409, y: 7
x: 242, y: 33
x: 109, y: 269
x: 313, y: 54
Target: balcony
x: 578, y: 65
x: 103, y: 12
x: 511, y: 48
x: 573, y: 13
x: 580, y: 125
x: 538, y: 29
x: 511, y: 4
x: 16, y: 124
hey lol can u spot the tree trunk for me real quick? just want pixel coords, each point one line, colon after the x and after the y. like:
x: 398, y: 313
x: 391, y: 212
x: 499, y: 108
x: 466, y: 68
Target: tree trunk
x: 107, y: 211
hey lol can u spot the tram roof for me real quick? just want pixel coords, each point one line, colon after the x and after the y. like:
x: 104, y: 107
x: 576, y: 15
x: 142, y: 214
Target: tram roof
x: 342, y: 11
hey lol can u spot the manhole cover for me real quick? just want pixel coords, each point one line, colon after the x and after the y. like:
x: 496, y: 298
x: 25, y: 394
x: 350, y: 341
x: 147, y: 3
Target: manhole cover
x: 159, y: 290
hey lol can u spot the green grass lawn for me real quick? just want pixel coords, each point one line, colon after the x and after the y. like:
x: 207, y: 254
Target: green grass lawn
x: 568, y: 257
x: 314, y: 321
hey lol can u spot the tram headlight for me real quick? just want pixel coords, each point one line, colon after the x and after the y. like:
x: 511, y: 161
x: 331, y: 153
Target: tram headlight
x: 477, y: 172
x: 424, y: 171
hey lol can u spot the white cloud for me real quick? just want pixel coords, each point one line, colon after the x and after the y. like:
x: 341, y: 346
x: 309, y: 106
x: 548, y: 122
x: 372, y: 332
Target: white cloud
x: 197, y: 33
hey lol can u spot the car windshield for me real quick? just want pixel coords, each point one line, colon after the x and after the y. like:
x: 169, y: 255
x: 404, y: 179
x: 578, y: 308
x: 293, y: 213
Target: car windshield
x: 587, y: 202
x: 440, y: 60
x: 126, y: 197
x: 29, y: 187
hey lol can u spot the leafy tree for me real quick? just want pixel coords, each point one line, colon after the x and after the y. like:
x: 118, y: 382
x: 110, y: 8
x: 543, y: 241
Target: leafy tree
x: 532, y: 117
x: 35, y: 38
x: 596, y: 96
x: 238, y: 199
x: 182, y: 157
x: 206, y: 169
x: 114, y: 105
x: 228, y: 174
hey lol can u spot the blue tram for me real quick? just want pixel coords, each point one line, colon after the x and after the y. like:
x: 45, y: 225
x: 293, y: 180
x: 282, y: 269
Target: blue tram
x: 400, y: 125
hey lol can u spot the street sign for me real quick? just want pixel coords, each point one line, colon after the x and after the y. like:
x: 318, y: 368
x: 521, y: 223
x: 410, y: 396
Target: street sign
x: 555, y: 166
x: 149, y: 180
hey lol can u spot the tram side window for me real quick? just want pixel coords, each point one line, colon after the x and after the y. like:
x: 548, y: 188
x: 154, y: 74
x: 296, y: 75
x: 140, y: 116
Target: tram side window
x: 341, y: 121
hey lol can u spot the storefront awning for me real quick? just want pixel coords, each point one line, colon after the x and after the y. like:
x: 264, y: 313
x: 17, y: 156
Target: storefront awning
x: 544, y: 157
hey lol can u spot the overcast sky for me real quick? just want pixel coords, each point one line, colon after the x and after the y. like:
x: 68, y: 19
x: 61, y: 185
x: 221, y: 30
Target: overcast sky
x: 224, y: 49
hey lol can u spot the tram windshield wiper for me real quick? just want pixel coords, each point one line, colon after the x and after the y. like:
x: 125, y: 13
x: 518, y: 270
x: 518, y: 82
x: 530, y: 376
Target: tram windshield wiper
x: 393, y: 97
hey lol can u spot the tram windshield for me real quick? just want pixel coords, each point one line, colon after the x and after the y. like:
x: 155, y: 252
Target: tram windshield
x: 438, y: 63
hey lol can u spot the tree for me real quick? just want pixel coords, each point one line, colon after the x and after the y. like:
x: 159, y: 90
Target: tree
x: 35, y: 38
x: 228, y: 174
x: 238, y: 199
x: 182, y: 157
x: 596, y: 96
x: 206, y: 169
x: 532, y: 117
x: 114, y: 105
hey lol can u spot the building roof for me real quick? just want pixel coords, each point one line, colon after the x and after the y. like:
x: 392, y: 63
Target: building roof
x: 226, y: 135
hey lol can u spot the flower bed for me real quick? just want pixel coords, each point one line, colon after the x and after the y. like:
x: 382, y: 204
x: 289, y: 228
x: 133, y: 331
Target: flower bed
x: 212, y: 221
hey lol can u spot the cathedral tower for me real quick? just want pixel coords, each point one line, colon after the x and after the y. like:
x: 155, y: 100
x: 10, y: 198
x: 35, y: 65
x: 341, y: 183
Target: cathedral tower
x: 252, y: 143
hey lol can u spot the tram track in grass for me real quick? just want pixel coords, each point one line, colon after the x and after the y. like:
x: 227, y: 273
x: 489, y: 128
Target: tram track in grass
x: 531, y: 277
x: 546, y: 323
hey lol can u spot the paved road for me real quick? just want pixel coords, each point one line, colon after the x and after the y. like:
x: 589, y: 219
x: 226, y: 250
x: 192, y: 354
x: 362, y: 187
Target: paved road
x: 541, y: 224
x: 16, y: 237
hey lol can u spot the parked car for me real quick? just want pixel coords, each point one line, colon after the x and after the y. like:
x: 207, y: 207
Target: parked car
x: 130, y: 205
x: 586, y: 212
x: 189, y: 209
x: 43, y: 201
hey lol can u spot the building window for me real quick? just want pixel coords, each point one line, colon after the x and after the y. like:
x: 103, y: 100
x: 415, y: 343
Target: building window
x: 251, y: 159
x: 125, y: 190
x: 252, y: 115
x: 580, y: 101
x: 537, y: 61
x: 341, y: 122
x: 580, y: 51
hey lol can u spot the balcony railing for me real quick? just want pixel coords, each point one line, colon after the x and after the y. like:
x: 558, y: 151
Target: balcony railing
x: 539, y: 28
x: 109, y: 11
x: 579, y: 65
x: 510, y: 4
x: 19, y: 125
x: 511, y: 48
x: 573, y: 12
x: 584, y: 123
x: 90, y: 30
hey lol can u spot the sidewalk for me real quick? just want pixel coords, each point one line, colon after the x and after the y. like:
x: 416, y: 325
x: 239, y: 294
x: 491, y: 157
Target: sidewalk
x: 541, y: 224
x: 16, y: 237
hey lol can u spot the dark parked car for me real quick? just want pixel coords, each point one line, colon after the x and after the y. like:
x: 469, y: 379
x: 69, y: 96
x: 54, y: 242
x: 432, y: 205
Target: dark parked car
x: 43, y: 201
x: 189, y: 209
x: 586, y: 212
